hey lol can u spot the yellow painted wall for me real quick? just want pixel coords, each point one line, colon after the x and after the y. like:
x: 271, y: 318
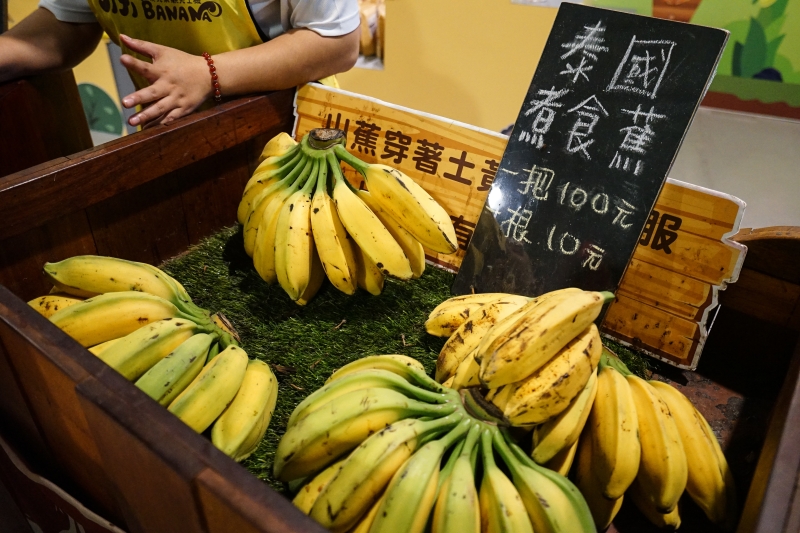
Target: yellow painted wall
x: 468, y: 60
x: 95, y: 69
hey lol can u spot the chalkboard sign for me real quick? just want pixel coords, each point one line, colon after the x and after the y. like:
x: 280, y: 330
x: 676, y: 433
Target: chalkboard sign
x: 600, y: 126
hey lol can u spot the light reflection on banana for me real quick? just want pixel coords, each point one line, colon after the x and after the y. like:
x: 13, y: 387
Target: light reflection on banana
x: 298, y: 208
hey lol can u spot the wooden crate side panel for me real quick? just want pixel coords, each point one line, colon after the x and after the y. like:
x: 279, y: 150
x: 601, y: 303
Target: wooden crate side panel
x: 22, y: 256
x: 144, y: 224
x: 765, y: 297
x: 150, y: 468
x: 33, y: 197
x: 50, y: 392
x: 244, y: 504
x: 16, y: 421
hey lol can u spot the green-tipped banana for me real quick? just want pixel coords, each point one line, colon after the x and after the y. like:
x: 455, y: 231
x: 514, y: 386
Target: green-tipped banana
x: 409, y: 204
x: 242, y: 425
x: 171, y: 375
x: 402, y: 365
x: 212, y: 390
x: 554, y: 504
x: 138, y: 352
x: 366, y: 229
x: 412, y: 491
x: 457, y: 509
x: 275, y: 190
x: 538, y: 336
x: 563, y: 431
x: 339, y: 426
x: 502, y: 507
x: 364, y: 379
x: 114, y: 315
x: 369, y: 469
x: 102, y: 347
x: 91, y: 275
x: 334, y: 248
x: 50, y: 304
x: 268, y: 172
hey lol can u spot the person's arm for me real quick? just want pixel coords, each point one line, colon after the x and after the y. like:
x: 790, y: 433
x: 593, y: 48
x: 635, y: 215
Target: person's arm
x: 180, y: 82
x: 41, y: 43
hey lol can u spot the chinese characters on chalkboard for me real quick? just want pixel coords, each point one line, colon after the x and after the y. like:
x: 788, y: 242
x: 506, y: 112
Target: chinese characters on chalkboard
x: 601, y: 123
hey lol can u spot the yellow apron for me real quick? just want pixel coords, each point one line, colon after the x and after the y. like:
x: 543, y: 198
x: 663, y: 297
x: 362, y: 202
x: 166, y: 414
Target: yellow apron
x: 193, y: 26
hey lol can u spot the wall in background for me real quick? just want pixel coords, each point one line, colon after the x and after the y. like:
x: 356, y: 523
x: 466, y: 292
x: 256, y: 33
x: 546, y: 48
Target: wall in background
x: 472, y: 60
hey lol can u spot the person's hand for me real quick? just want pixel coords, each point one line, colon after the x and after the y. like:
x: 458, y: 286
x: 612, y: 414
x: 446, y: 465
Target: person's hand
x: 179, y: 82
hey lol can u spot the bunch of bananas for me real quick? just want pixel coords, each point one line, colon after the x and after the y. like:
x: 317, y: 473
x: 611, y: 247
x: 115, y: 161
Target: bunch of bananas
x: 541, y: 362
x: 142, y: 322
x: 303, y: 220
x: 383, y: 447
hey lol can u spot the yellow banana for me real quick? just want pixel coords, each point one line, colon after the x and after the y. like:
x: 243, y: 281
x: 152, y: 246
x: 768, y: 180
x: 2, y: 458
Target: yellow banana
x: 366, y: 229
x: 562, y: 461
x: 468, y: 336
x: 103, y: 346
x: 294, y: 240
x: 279, y: 145
x: 212, y: 390
x: 706, y: 482
x: 172, y: 374
x: 538, y: 335
x: 49, y: 304
x: 315, y: 281
x: 603, y: 509
x: 558, y: 434
x: 466, y: 374
x: 449, y: 315
x: 113, y: 315
x: 613, y: 428
x: 92, y: 275
x: 308, y: 493
x: 664, y: 521
x: 402, y: 365
x: 551, y: 388
x: 499, y: 397
x: 369, y: 469
x: 365, y: 522
x: 334, y: 248
x: 411, y: 246
x: 242, y: 425
x: 662, y: 470
x: 368, y: 276
x: 408, y: 203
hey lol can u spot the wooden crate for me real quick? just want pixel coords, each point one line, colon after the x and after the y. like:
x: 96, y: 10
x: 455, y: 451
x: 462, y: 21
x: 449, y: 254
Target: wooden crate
x: 147, y: 197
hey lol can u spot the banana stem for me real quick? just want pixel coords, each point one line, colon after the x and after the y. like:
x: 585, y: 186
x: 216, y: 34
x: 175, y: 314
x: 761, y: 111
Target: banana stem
x: 456, y: 433
x: 608, y: 296
x: 477, y: 406
x: 609, y: 358
x: 505, y: 452
x: 287, y: 167
x: 337, y: 170
x: 312, y: 179
x: 350, y: 159
x: 322, y: 177
x: 486, y: 448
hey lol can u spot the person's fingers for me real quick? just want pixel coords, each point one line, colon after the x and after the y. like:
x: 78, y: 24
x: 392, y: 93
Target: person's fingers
x: 144, y: 96
x: 153, y: 112
x: 142, y: 47
x: 142, y: 68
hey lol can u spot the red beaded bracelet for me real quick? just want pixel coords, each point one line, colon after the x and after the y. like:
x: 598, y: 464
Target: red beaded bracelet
x: 213, y: 70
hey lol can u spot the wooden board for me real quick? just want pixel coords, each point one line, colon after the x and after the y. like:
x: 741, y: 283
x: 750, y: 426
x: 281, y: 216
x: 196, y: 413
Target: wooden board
x: 451, y: 160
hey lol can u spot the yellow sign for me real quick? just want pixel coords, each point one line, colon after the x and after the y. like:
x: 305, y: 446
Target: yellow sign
x: 683, y: 258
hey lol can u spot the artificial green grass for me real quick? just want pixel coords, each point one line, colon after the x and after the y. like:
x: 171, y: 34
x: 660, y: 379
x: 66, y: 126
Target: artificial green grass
x: 305, y: 345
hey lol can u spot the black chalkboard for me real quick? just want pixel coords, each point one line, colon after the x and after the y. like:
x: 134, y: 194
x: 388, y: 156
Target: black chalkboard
x: 605, y: 114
